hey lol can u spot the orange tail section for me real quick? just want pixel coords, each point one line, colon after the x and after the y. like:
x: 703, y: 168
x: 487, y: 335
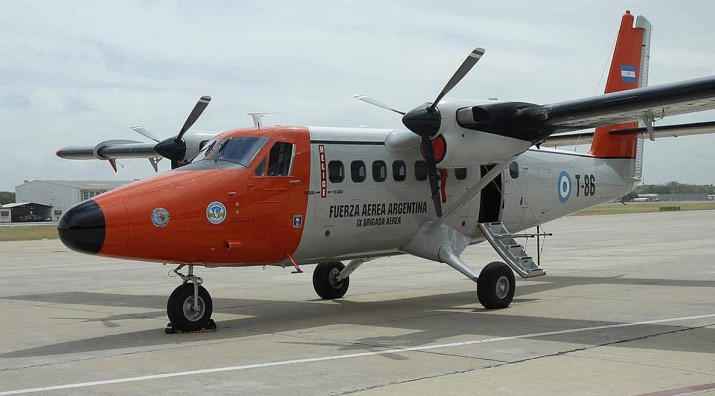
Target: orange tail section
x: 629, y: 69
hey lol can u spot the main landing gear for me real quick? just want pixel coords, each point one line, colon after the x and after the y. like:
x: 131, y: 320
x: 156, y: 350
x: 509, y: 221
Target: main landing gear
x: 495, y: 283
x: 331, y: 280
x: 189, y: 306
x: 496, y: 286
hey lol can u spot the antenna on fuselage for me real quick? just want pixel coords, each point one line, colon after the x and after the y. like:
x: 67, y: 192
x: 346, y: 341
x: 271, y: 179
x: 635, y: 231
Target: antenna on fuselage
x: 257, y: 122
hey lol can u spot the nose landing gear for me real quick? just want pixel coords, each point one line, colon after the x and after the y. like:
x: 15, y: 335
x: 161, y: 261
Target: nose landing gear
x: 189, y: 306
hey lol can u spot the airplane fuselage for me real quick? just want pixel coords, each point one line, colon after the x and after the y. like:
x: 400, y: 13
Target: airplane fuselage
x: 317, y: 194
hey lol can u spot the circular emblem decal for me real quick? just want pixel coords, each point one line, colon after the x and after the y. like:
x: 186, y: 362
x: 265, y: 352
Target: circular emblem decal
x: 160, y: 217
x: 216, y: 212
x: 564, y: 186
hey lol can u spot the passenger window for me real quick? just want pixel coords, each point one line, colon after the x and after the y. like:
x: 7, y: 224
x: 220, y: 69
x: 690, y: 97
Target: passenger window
x: 399, y: 170
x: 279, y: 159
x: 460, y: 173
x: 357, y: 171
x: 379, y: 171
x: 420, y: 170
x: 514, y: 170
x: 261, y: 168
x: 336, y: 173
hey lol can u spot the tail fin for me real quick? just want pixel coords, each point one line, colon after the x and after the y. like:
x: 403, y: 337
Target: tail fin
x: 629, y: 69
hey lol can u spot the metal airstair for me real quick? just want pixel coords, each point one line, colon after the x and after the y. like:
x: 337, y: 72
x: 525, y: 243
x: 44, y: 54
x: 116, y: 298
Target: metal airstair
x: 512, y: 252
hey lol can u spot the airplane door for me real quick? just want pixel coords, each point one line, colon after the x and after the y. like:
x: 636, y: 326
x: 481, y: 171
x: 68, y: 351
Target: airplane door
x: 277, y: 187
x: 491, y: 200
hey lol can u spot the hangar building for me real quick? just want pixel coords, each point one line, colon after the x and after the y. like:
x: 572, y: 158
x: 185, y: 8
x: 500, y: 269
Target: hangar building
x: 24, y: 211
x: 63, y: 194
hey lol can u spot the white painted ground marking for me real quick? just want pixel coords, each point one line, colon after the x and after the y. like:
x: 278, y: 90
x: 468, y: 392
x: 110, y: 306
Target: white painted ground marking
x: 347, y: 356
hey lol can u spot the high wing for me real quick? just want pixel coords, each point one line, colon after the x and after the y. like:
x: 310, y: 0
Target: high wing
x: 179, y: 149
x: 537, y: 122
x: 116, y: 149
x: 698, y: 128
x: 111, y: 150
x: 651, y: 103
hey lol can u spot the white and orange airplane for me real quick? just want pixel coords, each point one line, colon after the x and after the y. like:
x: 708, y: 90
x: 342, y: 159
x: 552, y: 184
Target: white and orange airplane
x: 461, y: 173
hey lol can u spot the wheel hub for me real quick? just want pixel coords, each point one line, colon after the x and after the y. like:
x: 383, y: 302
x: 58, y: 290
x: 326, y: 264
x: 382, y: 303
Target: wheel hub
x: 193, y: 314
x: 333, y: 279
x: 503, y: 286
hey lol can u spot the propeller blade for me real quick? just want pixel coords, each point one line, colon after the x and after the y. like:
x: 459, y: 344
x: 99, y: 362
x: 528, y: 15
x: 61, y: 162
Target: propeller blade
x: 432, y: 174
x: 466, y: 66
x: 144, y: 132
x: 377, y: 103
x: 195, y: 114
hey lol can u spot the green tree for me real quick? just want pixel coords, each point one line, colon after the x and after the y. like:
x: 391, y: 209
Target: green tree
x: 630, y: 196
x: 7, y: 197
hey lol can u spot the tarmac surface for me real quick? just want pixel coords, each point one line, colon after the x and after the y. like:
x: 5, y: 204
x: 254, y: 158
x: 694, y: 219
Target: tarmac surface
x: 627, y: 308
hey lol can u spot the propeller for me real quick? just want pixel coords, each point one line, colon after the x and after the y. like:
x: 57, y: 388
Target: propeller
x: 377, y: 103
x: 175, y: 148
x: 426, y: 120
x: 140, y: 130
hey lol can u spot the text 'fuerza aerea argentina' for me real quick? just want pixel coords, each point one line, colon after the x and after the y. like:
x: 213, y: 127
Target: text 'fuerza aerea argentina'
x: 377, y: 209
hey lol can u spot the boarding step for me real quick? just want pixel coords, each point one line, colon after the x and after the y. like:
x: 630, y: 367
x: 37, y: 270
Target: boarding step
x: 512, y: 252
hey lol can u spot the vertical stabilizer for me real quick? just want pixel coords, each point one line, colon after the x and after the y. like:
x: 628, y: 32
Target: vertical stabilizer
x: 629, y: 70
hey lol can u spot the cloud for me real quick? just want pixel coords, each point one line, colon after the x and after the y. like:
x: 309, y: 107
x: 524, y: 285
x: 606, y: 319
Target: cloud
x: 77, y: 72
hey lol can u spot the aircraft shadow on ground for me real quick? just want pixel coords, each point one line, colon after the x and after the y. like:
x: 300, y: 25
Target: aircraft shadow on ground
x: 424, y: 319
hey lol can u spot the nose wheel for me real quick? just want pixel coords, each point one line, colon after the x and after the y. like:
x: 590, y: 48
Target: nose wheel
x: 189, y: 306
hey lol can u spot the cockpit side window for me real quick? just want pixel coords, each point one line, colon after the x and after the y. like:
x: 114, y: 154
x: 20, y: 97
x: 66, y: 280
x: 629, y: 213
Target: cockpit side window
x: 261, y: 168
x: 280, y: 159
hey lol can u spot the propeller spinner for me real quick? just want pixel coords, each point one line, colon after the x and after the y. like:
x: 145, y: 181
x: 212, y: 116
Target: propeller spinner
x: 426, y: 120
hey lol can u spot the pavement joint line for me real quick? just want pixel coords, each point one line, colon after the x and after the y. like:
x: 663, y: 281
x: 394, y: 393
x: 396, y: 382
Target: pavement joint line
x: 362, y: 354
x: 537, y: 357
x: 688, y: 371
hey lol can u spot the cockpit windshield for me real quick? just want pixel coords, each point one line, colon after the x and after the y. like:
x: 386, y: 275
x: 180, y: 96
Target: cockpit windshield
x: 233, y: 150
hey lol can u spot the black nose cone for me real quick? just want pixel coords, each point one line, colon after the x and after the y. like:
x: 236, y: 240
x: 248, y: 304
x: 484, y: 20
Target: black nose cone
x: 82, y: 227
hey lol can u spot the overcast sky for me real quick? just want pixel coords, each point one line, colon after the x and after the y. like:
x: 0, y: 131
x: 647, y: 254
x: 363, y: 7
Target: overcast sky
x: 77, y: 73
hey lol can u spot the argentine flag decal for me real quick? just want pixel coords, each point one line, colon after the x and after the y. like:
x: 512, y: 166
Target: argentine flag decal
x: 628, y: 73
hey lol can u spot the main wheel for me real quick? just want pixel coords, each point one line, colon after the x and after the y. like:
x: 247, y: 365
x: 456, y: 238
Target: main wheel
x: 325, y: 280
x: 181, y: 312
x: 496, y: 286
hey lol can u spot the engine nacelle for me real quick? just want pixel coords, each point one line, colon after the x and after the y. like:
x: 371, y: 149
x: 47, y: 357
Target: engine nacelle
x: 466, y: 148
x: 481, y: 135
x: 98, y: 151
x: 195, y: 142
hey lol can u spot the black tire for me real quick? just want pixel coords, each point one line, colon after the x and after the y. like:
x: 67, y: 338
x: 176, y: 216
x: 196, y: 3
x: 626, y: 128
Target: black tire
x: 179, y: 304
x: 496, y: 286
x: 324, y: 280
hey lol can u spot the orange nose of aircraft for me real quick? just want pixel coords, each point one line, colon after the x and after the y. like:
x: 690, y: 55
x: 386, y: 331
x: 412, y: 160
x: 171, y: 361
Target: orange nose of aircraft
x: 152, y: 220
x: 243, y: 203
x: 83, y: 228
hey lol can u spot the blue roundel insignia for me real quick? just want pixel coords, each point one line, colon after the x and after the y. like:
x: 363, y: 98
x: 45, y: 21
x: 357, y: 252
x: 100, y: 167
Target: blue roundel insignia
x: 160, y: 217
x: 564, y: 186
x: 216, y: 212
